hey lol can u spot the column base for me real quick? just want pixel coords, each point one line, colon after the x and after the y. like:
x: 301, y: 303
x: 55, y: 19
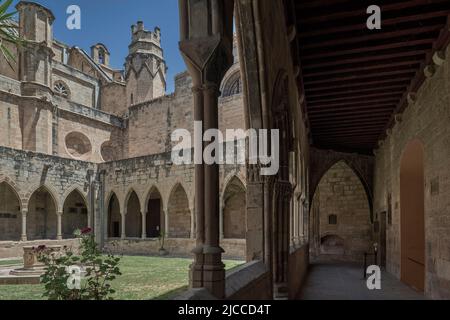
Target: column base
x: 280, y: 291
x: 214, y: 271
x: 59, y: 237
x: 23, y: 238
x: 196, y: 268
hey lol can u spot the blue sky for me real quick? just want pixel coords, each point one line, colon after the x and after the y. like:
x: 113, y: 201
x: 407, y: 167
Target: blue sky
x: 109, y: 22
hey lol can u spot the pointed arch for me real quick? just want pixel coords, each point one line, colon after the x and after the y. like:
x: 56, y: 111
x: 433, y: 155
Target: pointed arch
x: 75, y: 212
x: 356, y: 171
x: 179, y: 213
x: 155, y: 218
x: 14, y: 189
x: 10, y: 213
x: 341, y: 214
x: 114, y: 222
x: 133, y: 216
x: 42, y: 214
x: 75, y: 189
x: 110, y: 194
x: 50, y: 189
x: 234, y: 209
x: 153, y: 190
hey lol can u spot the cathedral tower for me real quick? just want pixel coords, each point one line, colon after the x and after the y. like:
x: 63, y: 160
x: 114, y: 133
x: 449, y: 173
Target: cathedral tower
x: 35, y: 75
x: 35, y: 24
x: 145, y: 67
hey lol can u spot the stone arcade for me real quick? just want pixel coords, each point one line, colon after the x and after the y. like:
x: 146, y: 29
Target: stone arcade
x: 363, y: 117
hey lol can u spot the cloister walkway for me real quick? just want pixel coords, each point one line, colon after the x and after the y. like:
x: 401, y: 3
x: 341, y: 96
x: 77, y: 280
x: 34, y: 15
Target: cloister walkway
x: 344, y: 281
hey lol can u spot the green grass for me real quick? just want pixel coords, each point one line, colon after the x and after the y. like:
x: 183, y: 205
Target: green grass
x: 142, y: 278
x: 10, y: 262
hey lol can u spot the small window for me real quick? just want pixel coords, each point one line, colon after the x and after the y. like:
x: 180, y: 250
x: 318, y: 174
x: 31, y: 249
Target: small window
x: 61, y: 89
x: 332, y: 219
x: 101, y: 56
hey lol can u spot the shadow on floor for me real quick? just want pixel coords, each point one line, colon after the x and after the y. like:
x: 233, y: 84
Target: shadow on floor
x: 333, y: 280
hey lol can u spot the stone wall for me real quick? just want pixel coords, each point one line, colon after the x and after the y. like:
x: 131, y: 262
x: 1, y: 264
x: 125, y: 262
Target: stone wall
x: 95, y: 130
x: 298, y: 269
x: 174, y: 183
x: 151, y: 123
x: 10, y: 114
x: 234, y: 249
x: 113, y: 98
x: 426, y: 120
x: 344, y: 214
x: 26, y: 172
x: 251, y: 281
x: 81, y: 88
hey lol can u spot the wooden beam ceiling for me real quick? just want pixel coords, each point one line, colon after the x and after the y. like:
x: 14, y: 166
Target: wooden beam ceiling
x: 354, y: 79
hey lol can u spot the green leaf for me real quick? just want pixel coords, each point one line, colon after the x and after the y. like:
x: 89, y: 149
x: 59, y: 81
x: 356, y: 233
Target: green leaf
x: 5, y: 6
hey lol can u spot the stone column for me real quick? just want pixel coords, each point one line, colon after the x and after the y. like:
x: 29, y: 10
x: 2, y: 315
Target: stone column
x: 144, y: 225
x: 192, y: 212
x: 292, y: 219
x: 213, y: 268
x: 89, y: 218
x: 123, y: 233
x: 222, y: 235
x: 196, y: 269
x: 282, y: 197
x: 24, y: 225
x: 59, y: 226
x: 206, y: 30
x: 166, y: 223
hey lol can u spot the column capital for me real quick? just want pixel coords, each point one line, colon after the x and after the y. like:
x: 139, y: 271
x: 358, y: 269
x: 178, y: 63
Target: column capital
x: 207, y: 44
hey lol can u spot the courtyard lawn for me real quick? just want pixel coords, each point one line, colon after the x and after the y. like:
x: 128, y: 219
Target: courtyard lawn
x: 10, y: 262
x: 142, y: 278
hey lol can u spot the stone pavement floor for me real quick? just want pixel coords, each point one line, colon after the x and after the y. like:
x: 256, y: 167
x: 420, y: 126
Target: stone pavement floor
x: 344, y: 281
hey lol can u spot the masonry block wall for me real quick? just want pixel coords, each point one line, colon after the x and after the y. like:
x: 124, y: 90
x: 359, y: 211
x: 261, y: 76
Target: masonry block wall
x: 27, y: 171
x: 151, y: 123
x: 426, y: 120
x: 344, y: 214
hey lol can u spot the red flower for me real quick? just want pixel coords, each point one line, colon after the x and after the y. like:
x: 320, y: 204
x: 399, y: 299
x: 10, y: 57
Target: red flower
x: 86, y: 231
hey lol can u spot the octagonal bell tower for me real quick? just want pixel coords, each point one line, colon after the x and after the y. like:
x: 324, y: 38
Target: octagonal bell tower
x: 145, y: 67
x: 35, y: 22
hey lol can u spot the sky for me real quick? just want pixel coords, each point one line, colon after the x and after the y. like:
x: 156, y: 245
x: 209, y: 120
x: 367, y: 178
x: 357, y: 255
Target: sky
x: 109, y: 22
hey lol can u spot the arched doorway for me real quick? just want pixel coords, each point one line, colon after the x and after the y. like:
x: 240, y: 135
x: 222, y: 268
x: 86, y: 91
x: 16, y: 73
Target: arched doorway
x: 412, y: 216
x: 41, y: 218
x: 341, y: 212
x: 75, y: 214
x: 10, y: 217
x: 179, y: 214
x: 154, y: 214
x: 133, y: 217
x: 234, y: 202
x: 114, y: 217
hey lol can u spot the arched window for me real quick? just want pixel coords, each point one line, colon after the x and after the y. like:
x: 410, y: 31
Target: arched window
x: 61, y: 89
x: 233, y: 85
x: 101, y: 56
